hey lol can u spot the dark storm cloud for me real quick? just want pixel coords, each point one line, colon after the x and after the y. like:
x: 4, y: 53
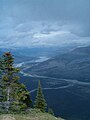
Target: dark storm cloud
x: 47, y: 9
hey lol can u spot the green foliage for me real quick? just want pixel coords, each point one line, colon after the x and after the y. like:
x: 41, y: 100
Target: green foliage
x: 14, y: 96
x: 50, y: 111
x: 33, y: 115
x: 40, y: 102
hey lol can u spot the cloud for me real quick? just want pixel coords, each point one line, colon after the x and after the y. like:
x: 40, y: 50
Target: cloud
x: 50, y: 34
x: 32, y: 23
x: 41, y: 33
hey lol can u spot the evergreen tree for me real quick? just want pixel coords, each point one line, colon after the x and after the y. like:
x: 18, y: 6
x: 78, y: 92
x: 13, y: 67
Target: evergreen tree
x: 13, y: 94
x: 40, y: 102
x: 50, y: 111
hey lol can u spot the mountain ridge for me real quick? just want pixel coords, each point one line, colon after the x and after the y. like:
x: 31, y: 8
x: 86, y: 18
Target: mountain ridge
x: 71, y: 65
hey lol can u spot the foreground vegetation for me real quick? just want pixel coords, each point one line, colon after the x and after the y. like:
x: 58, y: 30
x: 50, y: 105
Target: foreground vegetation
x: 15, y: 99
x: 32, y: 115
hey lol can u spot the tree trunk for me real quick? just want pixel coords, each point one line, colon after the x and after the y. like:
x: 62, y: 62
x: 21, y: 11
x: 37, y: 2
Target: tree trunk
x: 8, y: 99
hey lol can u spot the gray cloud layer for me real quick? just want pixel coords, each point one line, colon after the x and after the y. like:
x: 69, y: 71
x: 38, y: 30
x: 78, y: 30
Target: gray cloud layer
x: 27, y: 23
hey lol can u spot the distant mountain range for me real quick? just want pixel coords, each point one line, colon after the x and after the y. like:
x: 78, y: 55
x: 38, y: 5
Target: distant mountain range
x: 71, y: 65
x: 37, y: 51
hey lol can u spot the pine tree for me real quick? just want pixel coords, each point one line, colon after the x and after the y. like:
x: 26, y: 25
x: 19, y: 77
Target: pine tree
x: 13, y: 94
x: 50, y: 111
x: 40, y: 102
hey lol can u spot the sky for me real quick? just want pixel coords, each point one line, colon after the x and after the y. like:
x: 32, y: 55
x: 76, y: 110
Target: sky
x: 44, y: 23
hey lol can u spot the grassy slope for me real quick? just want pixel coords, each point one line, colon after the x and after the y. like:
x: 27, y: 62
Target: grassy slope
x: 30, y: 116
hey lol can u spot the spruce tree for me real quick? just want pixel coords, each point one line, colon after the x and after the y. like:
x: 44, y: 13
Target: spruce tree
x: 40, y: 102
x: 13, y: 94
x: 50, y: 111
